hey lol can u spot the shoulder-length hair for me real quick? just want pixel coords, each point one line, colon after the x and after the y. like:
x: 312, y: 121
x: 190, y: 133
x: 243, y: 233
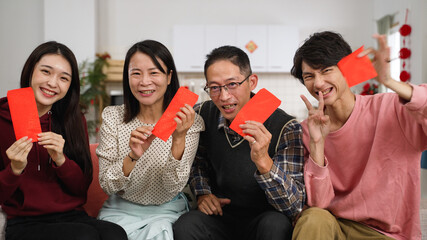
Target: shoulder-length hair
x: 156, y: 51
x: 67, y: 119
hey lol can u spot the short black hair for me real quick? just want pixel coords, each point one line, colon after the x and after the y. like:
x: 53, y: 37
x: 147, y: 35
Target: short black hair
x: 320, y: 50
x: 233, y: 54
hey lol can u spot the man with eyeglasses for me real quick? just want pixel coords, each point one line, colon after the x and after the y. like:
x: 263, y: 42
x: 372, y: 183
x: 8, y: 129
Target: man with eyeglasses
x: 247, y: 187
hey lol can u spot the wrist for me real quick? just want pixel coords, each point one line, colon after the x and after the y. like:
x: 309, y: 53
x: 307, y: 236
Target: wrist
x: 16, y: 171
x: 264, y: 165
x: 388, y: 82
x: 132, y: 158
x: 60, y: 161
x: 317, y: 152
x: 178, y: 137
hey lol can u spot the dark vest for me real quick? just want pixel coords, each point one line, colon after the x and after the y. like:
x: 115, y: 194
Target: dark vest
x: 233, y: 169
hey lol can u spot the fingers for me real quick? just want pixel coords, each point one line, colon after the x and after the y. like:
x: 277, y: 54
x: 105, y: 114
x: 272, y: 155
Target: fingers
x: 141, y: 134
x: 307, y: 103
x: 321, y: 101
x: 366, y: 52
x: 140, y: 140
x: 210, y: 205
x: 184, y: 120
x: 18, y: 153
x: 256, y: 133
x: 224, y: 201
x: 382, y: 41
x: 185, y: 117
x: 52, y: 141
x: 382, y: 46
x: 19, y: 145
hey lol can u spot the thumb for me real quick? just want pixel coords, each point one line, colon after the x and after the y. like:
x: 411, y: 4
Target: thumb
x: 224, y: 201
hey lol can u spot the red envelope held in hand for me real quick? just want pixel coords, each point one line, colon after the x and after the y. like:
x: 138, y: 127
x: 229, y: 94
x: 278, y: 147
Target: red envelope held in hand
x: 166, y: 125
x: 356, y: 69
x: 258, y: 109
x: 23, y: 110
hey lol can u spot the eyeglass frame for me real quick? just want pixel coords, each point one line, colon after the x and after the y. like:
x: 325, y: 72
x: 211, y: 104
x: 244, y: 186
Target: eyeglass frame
x: 225, y: 86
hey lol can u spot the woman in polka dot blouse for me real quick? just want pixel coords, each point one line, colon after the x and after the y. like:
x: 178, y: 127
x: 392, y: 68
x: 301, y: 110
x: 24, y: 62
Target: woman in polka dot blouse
x: 142, y: 174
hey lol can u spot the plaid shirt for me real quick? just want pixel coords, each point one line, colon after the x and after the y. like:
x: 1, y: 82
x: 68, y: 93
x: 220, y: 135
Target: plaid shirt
x: 283, y: 185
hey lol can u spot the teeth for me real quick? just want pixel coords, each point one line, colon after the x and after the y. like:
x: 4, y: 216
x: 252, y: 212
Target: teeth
x: 48, y: 92
x: 147, y: 92
x: 326, y: 91
x: 228, y: 106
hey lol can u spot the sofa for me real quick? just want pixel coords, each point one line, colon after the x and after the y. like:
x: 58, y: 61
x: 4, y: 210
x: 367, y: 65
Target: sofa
x: 96, y: 198
x: 95, y: 195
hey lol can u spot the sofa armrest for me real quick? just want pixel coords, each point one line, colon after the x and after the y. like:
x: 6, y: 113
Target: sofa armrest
x: 95, y: 194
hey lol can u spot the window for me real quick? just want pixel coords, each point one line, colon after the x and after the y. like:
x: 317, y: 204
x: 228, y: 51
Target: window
x: 393, y: 40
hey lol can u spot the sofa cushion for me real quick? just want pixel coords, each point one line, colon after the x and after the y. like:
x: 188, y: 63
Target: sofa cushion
x: 95, y: 195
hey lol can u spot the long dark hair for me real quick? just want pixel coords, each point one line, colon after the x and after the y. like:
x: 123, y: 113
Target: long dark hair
x: 66, y: 113
x: 155, y: 50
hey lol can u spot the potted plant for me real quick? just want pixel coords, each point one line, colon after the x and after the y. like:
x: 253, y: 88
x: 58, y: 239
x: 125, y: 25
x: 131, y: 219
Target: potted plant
x: 93, y: 96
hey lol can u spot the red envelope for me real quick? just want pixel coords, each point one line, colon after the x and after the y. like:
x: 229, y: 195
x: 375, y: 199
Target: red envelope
x: 166, y: 125
x: 23, y: 110
x: 355, y: 69
x: 259, y: 109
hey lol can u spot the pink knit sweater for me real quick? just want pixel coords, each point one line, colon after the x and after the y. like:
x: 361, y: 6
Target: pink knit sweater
x: 372, y: 172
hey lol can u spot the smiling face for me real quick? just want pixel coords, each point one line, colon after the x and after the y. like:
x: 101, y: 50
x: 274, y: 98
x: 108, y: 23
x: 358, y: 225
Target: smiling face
x: 328, y: 80
x: 229, y: 103
x: 147, y: 83
x: 50, y: 81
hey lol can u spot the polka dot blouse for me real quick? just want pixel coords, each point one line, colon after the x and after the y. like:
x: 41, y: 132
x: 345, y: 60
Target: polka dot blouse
x: 157, y: 177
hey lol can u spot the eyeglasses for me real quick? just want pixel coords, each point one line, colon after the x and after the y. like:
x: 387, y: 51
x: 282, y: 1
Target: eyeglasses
x: 230, y: 87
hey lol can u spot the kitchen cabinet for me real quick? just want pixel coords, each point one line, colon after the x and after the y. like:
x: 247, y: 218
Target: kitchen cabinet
x: 282, y: 43
x: 253, y: 40
x: 189, y: 48
x: 219, y: 35
x: 270, y: 47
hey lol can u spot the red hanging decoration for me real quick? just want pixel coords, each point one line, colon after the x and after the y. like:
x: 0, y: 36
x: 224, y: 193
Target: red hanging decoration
x: 405, y: 30
x: 404, y: 76
x: 405, y: 53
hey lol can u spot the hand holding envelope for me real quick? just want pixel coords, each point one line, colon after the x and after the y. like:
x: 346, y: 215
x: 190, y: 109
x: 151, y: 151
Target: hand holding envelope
x: 258, y: 109
x: 356, y: 69
x: 26, y: 125
x: 250, y: 120
x: 166, y: 124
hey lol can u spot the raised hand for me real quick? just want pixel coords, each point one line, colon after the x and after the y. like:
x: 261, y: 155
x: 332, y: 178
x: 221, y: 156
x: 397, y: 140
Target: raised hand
x: 54, y: 143
x: 318, y: 127
x: 140, y: 140
x: 209, y: 204
x: 184, y: 120
x: 381, y: 59
x: 381, y: 63
x: 259, y: 139
x: 18, y: 153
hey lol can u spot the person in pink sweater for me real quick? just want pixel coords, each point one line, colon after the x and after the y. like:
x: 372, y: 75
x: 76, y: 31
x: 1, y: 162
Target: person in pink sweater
x: 362, y: 153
